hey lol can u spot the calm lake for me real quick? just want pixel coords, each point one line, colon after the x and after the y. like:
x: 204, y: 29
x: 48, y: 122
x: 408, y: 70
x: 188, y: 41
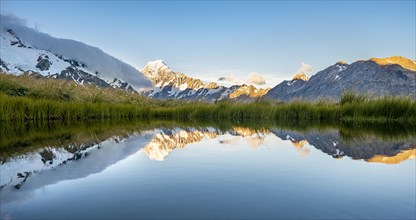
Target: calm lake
x: 194, y: 170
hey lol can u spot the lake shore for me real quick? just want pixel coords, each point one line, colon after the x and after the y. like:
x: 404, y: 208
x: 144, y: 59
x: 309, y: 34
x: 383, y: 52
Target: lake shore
x: 24, y: 98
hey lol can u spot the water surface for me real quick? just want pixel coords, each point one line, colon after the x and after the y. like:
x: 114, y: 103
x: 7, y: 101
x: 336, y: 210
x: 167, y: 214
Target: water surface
x: 191, y: 171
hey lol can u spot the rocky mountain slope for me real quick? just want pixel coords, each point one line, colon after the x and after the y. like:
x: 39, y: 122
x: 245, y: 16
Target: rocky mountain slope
x: 393, y: 76
x: 25, y: 50
x: 174, y: 85
x: 377, y: 77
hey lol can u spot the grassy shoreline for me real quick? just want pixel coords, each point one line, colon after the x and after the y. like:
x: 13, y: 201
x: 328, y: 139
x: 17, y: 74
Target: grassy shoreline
x: 376, y: 111
x: 24, y: 98
x: 19, y: 137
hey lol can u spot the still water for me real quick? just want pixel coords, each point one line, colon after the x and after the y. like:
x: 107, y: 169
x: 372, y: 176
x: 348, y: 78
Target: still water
x: 189, y: 171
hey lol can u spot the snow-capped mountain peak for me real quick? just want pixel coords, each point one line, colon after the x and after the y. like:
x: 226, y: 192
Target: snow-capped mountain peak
x: 155, y: 68
x: 300, y: 76
x: 170, y: 84
x: 161, y: 75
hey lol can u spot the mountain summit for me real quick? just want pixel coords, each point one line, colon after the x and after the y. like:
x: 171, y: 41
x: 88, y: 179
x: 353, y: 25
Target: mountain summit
x: 300, y: 76
x: 175, y: 85
x: 402, y: 61
x: 161, y: 75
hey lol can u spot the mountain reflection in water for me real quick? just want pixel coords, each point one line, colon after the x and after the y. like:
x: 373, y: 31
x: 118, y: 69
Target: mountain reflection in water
x: 158, y: 143
x: 368, y: 148
x: 33, y: 159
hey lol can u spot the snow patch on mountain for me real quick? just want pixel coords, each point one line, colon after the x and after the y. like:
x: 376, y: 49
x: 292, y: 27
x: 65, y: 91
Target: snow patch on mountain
x: 22, y: 58
x: 22, y: 46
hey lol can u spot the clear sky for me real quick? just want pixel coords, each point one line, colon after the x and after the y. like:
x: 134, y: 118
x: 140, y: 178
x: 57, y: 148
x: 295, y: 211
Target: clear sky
x: 211, y: 39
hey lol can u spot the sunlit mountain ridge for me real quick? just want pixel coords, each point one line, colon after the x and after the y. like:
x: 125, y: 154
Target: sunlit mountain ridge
x: 399, y: 60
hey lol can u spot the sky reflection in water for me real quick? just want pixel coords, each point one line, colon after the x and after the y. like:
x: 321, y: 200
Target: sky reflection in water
x: 207, y: 173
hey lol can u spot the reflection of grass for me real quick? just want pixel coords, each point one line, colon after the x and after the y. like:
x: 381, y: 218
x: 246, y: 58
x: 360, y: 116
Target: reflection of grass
x: 27, y: 134
x: 20, y: 137
x: 23, y: 137
x: 384, y: 131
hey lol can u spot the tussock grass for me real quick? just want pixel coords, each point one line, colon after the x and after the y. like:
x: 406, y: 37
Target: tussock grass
x: 25, y: 98
x: 63, y: 90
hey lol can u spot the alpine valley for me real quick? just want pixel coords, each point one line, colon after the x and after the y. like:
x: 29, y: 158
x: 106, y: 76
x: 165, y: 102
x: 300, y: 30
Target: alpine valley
x: 26, y: 51
x: 199, y: 110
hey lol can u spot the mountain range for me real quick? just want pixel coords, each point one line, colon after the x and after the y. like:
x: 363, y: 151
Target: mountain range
x: 174, y: 85
x: 376, y: 77
x: 25, y: 50
x: 392, y: 76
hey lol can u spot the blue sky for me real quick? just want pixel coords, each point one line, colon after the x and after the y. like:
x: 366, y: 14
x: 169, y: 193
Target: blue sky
x: 233, y: 38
